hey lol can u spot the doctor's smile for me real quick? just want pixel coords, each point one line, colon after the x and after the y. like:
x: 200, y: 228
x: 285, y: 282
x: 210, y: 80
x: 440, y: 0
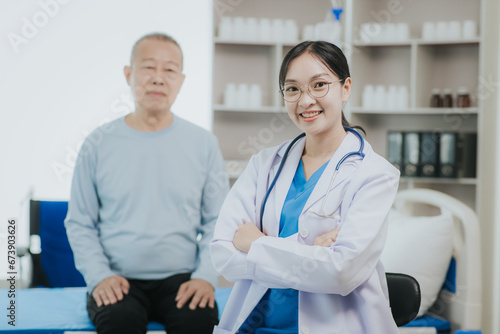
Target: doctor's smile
x: 310, y: 115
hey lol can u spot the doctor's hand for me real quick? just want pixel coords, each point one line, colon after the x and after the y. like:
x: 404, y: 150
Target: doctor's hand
x: 328, y: 238
x: 110, y: 290
x: 245, y: 235
x: 201, y: 291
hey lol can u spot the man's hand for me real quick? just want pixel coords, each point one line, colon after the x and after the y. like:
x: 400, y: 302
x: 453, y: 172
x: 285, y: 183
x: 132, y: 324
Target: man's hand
x: 245, y: 235
x: 110, y: 290
x: 201, y: 291
x: 328, y: 238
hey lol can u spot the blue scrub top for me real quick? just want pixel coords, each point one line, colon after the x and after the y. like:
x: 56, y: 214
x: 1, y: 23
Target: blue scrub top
x: 278, y: 310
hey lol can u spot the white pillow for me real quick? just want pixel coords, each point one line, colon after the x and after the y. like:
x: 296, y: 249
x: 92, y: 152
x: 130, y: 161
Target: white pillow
x: 420, y: 247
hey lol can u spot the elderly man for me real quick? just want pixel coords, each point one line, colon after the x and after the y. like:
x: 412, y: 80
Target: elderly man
x: 144, y: 201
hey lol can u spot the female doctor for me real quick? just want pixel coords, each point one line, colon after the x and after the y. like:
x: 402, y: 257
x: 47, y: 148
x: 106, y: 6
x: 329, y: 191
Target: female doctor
x: 276, y: 236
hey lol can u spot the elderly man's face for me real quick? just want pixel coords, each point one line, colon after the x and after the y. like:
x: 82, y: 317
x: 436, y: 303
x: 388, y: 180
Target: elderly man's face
x: 155, y: 75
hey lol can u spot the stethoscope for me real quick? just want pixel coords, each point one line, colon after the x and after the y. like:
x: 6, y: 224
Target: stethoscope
x: 339, y: 164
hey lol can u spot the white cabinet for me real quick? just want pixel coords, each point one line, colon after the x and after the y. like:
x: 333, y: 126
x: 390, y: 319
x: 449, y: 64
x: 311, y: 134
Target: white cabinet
x: 421, y: 65
x: 243, y: 131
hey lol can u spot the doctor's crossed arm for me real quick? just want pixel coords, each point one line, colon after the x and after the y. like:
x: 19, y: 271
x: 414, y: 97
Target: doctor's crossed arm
x: 245, y: 235
x: 328, y: 238
x: 248, y: 233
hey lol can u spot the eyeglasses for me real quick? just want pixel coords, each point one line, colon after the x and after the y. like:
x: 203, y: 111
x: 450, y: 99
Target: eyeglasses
x: 317, y: 88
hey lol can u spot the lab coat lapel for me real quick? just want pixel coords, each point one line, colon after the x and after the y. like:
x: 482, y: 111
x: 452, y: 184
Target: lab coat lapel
x: 349, y: 144
x: 286, y: 177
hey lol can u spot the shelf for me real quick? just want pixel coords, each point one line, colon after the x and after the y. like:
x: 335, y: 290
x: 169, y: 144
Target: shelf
x: 264, y: 109
x: 437, y: 180
x: 217, y: 40
x: 417, y: 42
x: 415, y: 111
x: 448, y: 42
x: 382, y: 44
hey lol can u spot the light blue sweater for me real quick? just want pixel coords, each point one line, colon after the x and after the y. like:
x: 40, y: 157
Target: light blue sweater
x: 139, y: 200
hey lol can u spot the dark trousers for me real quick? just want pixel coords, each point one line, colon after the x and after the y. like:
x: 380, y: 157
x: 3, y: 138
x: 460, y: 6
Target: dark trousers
x: 152, y: 300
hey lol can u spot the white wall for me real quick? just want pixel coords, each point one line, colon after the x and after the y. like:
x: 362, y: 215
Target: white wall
x: 63, y: 79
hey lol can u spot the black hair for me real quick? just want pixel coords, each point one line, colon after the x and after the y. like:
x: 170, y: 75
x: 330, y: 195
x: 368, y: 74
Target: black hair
x: 330, y: 55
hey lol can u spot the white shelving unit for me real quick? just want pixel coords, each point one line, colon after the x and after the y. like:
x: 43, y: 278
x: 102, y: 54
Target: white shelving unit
x: 243, y: 132
x: 419, y: 64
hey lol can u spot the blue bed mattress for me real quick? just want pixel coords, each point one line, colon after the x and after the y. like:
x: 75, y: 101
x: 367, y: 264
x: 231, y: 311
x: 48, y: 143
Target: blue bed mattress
x: 55, y: 310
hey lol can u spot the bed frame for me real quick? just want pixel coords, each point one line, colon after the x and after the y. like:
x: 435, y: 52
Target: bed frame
x: 462, y: 308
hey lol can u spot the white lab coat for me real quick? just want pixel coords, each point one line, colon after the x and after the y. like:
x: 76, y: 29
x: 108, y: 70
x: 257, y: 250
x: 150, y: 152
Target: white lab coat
x: 342, y: 288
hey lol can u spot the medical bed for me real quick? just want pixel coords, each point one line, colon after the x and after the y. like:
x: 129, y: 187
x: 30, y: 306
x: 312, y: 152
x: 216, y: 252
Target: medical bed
x: 60, y: 310
x: 56, y: 310
x: 458, y: 304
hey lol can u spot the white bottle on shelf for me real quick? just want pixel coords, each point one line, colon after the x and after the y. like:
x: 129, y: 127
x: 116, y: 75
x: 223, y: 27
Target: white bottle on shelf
x: 265, y: 30
x: 469, y: 29
x: 454, y: 30
x: 392, y: 98
x: 380, y: 97
x: 368, y: 96
x: 402, y: 97
x: 318, y: 31
x: 252, y: 32
x: 308, y: 32
x: 225, y: 28
x: 277, y: 28
x: 402, y: 32
x: 230, y: 95
x: 429, y: 31
x: 242, y: 96
x: 332, y: 28
x: 389, y: 33
x: 239, y: 29
x: 291, y: 32
x: 442, y: 33
x: 255, y: 96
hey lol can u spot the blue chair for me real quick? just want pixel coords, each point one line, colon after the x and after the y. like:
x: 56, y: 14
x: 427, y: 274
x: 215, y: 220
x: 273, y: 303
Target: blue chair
x: 54, y: 266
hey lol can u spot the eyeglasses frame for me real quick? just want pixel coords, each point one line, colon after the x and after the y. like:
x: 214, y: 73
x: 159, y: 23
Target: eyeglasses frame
x: 309, y: 90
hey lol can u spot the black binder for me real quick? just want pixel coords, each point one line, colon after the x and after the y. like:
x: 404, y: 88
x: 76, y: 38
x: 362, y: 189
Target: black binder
x: 429, y: 154
x: 395, y: 149
x: 447, y: 155
x: 411, y: 153
x: 466, y: 154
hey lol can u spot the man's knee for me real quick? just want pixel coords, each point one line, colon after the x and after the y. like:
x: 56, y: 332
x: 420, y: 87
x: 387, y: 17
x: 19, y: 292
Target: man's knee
x: 199, y: 321
x: 122, y: 317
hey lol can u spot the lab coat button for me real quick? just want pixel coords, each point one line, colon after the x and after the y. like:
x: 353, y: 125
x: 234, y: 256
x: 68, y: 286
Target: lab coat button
x: 304, y: 233
x: 304, y: 330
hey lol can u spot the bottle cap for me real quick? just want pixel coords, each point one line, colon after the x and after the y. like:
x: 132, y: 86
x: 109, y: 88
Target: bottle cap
x: 436, y: 91
x: 447, y: 91
x: 462, y: 90
x: 336, y: 12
